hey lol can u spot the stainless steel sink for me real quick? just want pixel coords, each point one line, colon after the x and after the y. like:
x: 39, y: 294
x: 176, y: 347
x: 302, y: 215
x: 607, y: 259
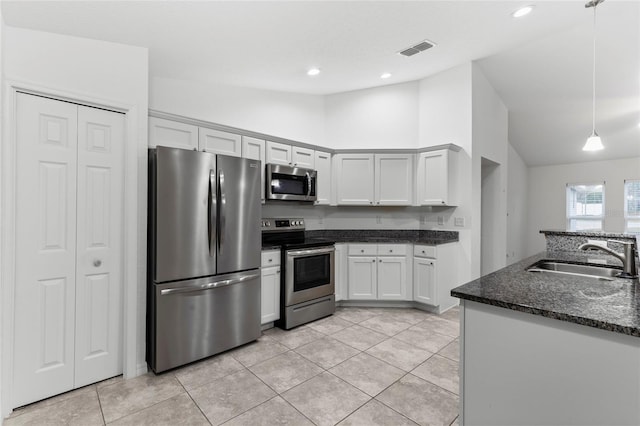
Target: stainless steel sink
x: 600, y: 272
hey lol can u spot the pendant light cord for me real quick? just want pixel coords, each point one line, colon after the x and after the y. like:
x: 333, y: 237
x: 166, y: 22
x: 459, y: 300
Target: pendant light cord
x: 594, y: 68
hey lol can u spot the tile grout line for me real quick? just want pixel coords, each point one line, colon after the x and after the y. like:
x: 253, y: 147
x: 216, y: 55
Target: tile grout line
x: 193, y: 400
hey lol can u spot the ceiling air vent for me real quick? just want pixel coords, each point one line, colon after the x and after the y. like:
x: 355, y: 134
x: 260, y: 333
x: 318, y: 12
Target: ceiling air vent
x: 420, y: 47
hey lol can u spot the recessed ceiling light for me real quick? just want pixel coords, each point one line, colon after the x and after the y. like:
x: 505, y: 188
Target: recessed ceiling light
x: 522, y: 12
x: 385, y: 75
x: 313, y: 71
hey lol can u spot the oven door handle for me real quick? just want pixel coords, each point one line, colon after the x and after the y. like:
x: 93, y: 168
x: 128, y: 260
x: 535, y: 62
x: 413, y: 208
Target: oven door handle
x: 310, y: 252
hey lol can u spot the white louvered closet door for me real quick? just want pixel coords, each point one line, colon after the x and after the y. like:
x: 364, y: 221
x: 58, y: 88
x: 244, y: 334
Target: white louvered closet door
x: 68, y: 213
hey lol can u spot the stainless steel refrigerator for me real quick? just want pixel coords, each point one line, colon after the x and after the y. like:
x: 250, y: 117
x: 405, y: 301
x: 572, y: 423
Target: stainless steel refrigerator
x: 203, y: 294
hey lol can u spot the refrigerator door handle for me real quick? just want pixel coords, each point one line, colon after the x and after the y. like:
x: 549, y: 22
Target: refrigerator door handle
x: 208, y: 286
x: 212, y: 213
x: 222, y: 215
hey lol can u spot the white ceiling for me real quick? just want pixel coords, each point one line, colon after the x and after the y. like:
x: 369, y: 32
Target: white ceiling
x: 540, y: 64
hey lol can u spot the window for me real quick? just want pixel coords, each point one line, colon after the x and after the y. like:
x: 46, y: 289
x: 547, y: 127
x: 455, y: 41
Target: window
x: 585, y: 207
x: 632, y: 206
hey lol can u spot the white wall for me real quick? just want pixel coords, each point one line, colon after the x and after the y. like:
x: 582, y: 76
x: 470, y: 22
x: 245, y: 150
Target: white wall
x: 109, y: 74
x: 2, y: 397
x: 383, y: 117
x: 445, y: 117
x: 517, y: 209
x: 292, y: 116
x: 490, y: 141
x: 347, y: 217
x: 547, y: 194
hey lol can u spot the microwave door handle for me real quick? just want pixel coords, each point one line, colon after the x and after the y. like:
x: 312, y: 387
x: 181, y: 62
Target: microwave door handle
x: 211, y: 226
x: 308, y: 184
x: 222, y: 211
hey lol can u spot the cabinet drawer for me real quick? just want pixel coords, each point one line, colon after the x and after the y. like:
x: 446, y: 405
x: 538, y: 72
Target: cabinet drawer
x: 270, y: 258
x: 392, y: 249
x: 424, y: 251
x: 363, y: 249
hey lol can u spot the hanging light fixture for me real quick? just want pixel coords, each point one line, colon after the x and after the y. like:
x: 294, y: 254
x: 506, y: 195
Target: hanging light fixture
x: 594, y: 143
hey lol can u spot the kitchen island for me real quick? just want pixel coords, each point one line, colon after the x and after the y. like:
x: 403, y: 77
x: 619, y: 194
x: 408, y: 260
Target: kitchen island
x: 544, y: 348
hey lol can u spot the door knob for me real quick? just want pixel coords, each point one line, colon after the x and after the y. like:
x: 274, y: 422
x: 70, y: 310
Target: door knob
x: 97, y: 262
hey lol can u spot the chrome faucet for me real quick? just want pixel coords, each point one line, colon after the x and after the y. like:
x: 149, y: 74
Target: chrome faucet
x: 628, y: 257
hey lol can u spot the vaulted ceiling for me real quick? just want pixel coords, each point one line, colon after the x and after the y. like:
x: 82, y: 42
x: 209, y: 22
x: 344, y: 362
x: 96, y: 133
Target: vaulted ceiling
x: 540, y: 64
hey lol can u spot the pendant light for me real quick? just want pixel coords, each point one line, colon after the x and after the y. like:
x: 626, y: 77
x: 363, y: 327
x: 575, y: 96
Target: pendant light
x: 594, y: 143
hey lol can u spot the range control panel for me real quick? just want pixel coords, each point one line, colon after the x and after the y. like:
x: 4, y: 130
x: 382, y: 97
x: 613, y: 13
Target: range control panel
x: 279, y: 225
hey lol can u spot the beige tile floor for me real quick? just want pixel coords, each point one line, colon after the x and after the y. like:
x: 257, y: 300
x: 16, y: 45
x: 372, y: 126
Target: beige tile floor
x: 362, y: 366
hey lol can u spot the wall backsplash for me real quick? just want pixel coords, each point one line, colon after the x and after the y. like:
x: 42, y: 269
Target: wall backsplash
x: 356, y: 217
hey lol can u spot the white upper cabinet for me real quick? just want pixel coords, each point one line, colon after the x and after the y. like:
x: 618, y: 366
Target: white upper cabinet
x: 323, y: 187
x: 172, y: 134
x: 354, y: 179
x: 254, y: 149
x: 218, y: 142
x: 303, y: 157
x: 394, y: 179
x: 374, y: 179
x: 437, y: 181
x: 279, y: 153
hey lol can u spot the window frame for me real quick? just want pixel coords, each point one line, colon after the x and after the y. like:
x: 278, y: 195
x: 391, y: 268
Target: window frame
x: 627, y: 217
x: 570, y: 218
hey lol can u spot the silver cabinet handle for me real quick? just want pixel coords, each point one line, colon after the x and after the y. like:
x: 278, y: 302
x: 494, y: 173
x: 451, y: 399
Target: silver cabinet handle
x: 270, y: 260
x: 390, y: 251
x: 373, y: 260
x: 361, y: 251
x: 380, y: 260
x: 97, y: 262
x: 208, y: 286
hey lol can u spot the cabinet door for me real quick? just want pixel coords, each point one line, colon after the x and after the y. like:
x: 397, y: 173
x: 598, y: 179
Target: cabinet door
x: 433, y: 178
x: 217, y: 142
x: 392, y: 278
x: 279, y: 153
x: 340, y: 272
x: 424, y: 281
x: 172, y: 134
x: 303, y: 157
x: 354, y: 179
x: 270, y: 294
x: 323, y: 167
x: 98, y: 305
x: 254, y: 149
x: 394, y: 179
x: 362, y: 278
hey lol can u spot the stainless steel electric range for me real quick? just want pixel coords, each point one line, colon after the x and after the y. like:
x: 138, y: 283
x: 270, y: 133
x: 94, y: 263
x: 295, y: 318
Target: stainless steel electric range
x: 307, y: 289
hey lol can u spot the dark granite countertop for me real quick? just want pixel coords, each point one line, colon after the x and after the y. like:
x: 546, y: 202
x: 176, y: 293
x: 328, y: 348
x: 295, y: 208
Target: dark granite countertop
x: 400, y: 236
x: 387, y: 236
x: 608, y: 305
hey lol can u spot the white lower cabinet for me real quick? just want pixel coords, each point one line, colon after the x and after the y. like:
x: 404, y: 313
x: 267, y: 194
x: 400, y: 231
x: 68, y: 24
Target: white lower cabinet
x: 378, y: 272
x: 424, y: 280
x: 270, y: 286
x: 363, y: 281
x: 340, y: 272
x: 435, y: 274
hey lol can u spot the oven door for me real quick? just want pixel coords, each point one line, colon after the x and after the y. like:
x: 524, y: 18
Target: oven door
x: 290, y: 183
x: 309, y: 274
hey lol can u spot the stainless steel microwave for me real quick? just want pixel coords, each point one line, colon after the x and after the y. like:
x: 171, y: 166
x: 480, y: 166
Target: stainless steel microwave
x: 290, y: 183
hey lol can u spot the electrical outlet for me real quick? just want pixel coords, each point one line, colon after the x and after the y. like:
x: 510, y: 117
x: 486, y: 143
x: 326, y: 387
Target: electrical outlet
x: 458, y: 221
x: 321, y: 220
x: 440, y: 220
x: 378, y: 220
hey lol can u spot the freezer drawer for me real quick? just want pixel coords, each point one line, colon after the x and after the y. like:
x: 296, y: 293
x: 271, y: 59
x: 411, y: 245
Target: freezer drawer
x: 194, y: 319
